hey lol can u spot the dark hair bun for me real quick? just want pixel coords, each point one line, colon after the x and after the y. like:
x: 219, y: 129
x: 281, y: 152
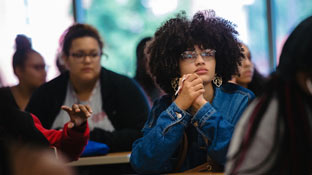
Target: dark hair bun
x: 22, y: 42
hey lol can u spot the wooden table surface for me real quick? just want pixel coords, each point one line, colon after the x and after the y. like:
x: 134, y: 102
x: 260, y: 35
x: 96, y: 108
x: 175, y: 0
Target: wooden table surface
x: 110, y: 158
x: 202, y: 173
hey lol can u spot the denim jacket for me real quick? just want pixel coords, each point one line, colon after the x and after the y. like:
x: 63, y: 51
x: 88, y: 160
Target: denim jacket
x: 156, y: 151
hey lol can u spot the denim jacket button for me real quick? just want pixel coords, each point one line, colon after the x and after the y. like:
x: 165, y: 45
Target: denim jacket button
x: 179, y: 115
x: 195, y: 124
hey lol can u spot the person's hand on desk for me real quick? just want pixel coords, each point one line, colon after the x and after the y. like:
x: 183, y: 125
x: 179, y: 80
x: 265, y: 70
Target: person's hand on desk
x: 78, y: 114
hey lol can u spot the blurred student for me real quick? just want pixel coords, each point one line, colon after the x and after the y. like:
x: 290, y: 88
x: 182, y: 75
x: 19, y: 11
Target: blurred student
x: 142, y: 75
x: 28, y: 159
x: 274, y: 135
x: 20, y: 126
x: 249, y: 77
x: 119, y: 106
x: 29, y: 68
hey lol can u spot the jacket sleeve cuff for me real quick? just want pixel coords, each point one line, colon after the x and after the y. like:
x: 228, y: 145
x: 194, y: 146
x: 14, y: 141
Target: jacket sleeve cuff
x: 203, y: 114
x: 81, y: 131
x: 178, y: 115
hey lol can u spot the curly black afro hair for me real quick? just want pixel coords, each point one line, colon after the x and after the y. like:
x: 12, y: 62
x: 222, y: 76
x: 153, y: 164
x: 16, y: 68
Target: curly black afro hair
x: 180, y: 34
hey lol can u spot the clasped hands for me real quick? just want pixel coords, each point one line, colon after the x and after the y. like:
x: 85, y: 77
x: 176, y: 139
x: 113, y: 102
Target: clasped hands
x: 190, y: 92
x: 78, y: 114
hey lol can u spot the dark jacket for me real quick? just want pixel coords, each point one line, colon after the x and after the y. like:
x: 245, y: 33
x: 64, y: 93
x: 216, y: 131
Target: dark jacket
x: 7, y: 98
x: 123, y: 101
x: 15, y: 124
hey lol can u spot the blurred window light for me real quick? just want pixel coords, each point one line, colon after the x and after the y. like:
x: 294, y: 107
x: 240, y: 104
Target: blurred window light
x: 247, y: 2
x: 87, y: 3
x: 122, y: 2
x: 41, y: 20
x: 160, y: 7
x: 234, y: 11
x: 239, y: 13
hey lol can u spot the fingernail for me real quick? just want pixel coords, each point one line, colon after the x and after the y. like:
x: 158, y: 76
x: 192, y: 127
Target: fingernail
x: 70, y: 125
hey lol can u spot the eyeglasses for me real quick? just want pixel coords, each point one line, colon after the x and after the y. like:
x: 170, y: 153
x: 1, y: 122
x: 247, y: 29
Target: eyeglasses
x: 80, y: 56
x: 192, y: 55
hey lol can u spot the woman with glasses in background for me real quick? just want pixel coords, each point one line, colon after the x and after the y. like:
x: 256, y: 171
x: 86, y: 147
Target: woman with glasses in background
x: 119, y: 106
x: 29, y: 68
x: 191, y: 60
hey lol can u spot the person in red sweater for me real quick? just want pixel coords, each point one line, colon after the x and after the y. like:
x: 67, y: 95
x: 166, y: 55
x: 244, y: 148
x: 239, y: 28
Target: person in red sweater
x: 16, y: 125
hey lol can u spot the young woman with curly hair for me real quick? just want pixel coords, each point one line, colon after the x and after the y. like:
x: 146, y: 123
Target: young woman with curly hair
x: 194, y: 122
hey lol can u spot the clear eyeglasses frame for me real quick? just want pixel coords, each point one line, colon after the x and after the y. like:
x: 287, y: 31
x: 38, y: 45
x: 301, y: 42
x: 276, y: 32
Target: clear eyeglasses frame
x: 192, y: 55
x: 80, y: 56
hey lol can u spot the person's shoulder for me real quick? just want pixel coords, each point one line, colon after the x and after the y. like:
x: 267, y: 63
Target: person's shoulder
x: 5, y: 90
x: 55, y: 88
x: 6, y: 95
x: 58, y: 82
x: 232, y: 88
x: 62, y: 78
x: 112, y: 75
x: 116, y: 79
x: 161, y: 104
x: 163, y: 101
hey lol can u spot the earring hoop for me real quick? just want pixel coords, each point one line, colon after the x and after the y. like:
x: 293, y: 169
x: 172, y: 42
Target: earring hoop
x: 175, y: 84
x: 217, y: 80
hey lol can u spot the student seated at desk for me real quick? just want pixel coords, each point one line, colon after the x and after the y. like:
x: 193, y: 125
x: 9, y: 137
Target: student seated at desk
x: 249, y: 77
x: 29, y: 68
x: 192, y: 60
x: 24, y: 127
x: 119, y: 106
x: 274, y: 135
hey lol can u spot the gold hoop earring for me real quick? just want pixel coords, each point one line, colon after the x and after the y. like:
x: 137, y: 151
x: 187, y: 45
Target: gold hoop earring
x: 217, y: 80
x: 175, y: 84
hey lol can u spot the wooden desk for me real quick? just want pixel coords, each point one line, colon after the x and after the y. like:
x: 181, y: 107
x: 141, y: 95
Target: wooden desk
x: 110, y: 158
x: 202, y: 173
